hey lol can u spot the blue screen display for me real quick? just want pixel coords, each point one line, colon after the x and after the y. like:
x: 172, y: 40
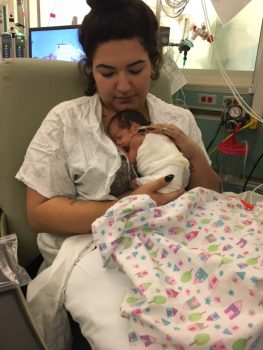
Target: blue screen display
x: 55, y: 43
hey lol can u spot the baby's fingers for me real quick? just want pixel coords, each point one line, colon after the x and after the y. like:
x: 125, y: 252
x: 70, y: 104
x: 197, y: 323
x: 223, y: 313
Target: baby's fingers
x: 154, y: 186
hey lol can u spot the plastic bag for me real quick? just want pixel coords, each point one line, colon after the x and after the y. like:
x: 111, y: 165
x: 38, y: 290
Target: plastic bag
x: 12, y: 274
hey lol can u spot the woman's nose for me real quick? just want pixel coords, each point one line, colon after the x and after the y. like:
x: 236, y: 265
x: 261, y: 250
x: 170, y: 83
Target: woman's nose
x: 123, y: 83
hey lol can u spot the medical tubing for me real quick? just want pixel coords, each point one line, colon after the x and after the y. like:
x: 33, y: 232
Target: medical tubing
x: 254, y: 190
x: 178, y: 5
x: 245, y: 161
x: 230, y: 84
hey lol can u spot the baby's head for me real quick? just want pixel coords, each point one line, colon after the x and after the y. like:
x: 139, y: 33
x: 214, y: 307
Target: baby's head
x: 124, y: 125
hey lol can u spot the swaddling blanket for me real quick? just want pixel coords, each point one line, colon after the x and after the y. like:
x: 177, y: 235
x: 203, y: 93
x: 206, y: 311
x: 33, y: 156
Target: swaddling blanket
x: 196, y: 265
x: 158, y: 156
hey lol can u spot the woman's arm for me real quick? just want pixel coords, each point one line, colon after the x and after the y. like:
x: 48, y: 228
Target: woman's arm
x: 62, y: 215
x: 65, y: 216
x: 201, y: 172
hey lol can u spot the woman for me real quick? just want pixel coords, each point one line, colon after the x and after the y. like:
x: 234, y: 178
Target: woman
x: 72, y: 169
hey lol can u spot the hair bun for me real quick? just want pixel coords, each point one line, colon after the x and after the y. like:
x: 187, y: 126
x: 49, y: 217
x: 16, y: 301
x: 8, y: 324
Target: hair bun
x: 95, y: 4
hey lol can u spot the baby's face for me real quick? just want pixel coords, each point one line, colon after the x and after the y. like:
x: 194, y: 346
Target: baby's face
x: 121, y: 136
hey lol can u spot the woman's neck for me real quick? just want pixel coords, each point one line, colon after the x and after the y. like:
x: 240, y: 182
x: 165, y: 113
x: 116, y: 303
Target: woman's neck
x: 106, y: 118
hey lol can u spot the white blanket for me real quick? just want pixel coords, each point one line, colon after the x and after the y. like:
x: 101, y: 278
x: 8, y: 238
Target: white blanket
x: 195, y: 267
x: 158, y: 156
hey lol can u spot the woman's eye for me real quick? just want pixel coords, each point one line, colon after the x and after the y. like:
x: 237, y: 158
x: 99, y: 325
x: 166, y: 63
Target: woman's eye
x: 135, y: 71
x: 107, y: 74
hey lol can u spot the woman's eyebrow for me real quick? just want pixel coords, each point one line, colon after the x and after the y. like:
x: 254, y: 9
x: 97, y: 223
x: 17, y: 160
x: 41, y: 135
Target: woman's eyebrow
x: 101, y: 65
x: 135, y: 63
x: 104, y: 66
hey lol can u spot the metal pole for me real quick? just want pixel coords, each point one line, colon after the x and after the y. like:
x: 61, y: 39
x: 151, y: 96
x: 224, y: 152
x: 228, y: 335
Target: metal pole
x: 38, y: 14
x: 158, y: 9
x: 257, y: 83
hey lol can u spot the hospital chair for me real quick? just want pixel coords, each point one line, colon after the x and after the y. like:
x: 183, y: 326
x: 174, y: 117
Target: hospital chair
x: 29, y: 88
x: 17, y: 329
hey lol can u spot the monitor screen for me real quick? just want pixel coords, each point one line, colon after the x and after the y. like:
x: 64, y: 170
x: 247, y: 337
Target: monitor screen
x: 55, y: 43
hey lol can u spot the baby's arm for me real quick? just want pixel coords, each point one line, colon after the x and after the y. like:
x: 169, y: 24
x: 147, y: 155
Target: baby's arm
x: 134, y: 145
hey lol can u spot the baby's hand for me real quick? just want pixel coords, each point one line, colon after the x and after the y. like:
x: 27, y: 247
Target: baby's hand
x: 151, y: 188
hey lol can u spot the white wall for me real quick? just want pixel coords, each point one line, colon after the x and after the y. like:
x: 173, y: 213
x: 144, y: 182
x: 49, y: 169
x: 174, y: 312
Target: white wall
x: 63, y: 10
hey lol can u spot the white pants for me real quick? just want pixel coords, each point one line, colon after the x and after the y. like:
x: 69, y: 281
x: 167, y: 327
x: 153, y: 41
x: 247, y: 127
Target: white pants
x: 93, y: 297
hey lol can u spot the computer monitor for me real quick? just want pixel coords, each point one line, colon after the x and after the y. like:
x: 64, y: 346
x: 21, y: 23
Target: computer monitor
x: 55, y: 43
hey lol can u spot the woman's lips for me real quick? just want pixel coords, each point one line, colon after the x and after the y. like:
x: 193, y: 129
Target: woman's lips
x: 123, y: 100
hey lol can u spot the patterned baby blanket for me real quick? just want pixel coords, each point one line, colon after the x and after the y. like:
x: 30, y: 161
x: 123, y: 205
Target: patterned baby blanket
x: 196, y: 266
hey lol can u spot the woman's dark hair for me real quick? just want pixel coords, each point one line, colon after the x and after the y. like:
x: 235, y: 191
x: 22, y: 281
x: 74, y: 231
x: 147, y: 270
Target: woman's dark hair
x: 127, y: 117
x: 117, y: 20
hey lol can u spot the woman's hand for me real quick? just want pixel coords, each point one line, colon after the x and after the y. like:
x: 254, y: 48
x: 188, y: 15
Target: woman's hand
x: 151, y: 188
x: 201, y: 172
x: 186, y: 145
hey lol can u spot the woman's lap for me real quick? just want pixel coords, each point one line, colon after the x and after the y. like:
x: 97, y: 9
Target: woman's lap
x: 93, y: 296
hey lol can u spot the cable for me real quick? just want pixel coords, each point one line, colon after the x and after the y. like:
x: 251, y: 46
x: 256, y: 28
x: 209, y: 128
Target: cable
x: 251, y: 172
x: 245, y: 161
x: 252, y: 192
x: 177, y: 6
x: 217, y: 131
x: 181, y: 100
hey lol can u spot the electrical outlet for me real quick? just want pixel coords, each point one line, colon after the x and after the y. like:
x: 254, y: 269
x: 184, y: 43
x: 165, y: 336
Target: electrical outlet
x: 229, y: 101
x: 204, y: 99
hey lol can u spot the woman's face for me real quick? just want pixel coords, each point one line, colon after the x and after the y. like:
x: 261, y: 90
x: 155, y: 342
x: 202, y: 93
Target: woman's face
x: 122, y: 71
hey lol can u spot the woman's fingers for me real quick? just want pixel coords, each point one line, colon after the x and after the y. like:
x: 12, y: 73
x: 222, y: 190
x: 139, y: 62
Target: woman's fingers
x: 165, y: 129
x: 184, y: 143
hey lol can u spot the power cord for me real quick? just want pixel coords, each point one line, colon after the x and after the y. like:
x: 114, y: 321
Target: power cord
x: 222, y: 122
x: 251, y: 172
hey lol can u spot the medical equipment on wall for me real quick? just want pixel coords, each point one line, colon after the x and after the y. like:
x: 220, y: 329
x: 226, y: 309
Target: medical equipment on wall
x: 13, y: 45
x: 171, y: 9
x: 6, y: 45
x: 202, y: 32
x: 254, y: 116
x: 235, y: 116
x: 186, y: 44
x: 19, y: 45
x: 13, y: 29
x: 232, y: 156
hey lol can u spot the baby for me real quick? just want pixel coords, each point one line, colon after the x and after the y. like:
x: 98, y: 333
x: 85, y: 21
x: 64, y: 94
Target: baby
x: 154, y: 155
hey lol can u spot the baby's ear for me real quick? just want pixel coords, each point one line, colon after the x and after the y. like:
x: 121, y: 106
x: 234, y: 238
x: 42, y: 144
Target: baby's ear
x: 134, y: 128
